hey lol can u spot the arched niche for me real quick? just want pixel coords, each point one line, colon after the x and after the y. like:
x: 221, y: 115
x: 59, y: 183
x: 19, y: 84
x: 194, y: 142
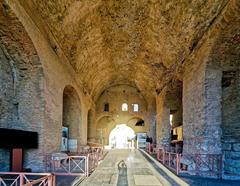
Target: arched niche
x: 104, y: 125
x: 71, y: 113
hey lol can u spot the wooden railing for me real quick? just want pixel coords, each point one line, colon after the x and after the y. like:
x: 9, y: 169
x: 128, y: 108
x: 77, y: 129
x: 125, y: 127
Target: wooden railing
x: 26, y: 179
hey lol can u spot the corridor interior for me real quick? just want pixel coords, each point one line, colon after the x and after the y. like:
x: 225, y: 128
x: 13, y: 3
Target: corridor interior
x: 90, y: 85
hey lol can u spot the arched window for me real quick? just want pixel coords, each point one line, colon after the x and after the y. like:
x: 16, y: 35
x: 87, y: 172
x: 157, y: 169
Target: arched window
x: 135, y: 107
x: 124, y: 107
x: 106, y: 107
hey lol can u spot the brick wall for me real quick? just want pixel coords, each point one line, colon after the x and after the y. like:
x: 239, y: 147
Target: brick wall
x: 231, y: 125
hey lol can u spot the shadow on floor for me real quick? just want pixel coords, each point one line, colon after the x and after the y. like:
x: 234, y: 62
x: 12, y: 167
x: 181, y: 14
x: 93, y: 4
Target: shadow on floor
x: 66, y: 180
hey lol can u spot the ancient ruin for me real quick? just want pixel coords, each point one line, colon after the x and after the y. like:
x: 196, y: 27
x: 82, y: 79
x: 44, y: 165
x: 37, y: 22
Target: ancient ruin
x: 75, y: 71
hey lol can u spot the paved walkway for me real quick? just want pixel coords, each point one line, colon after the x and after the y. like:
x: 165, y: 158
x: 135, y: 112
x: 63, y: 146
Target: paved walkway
x: 127, y: 167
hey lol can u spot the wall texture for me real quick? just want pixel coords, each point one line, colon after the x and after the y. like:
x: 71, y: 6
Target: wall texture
x: 41, y: 76
x: 115, y: 96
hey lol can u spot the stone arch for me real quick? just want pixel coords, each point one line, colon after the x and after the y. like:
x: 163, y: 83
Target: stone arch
x: 71, y: 116
x: 102, y: 115
x: 137, y: 117
x: 132, y: 123
x: 169, y: 104
x: 119, y: 136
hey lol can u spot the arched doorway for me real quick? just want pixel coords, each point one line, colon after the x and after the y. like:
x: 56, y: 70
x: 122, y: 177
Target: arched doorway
x: 71, y: 119
x: 120, y: 137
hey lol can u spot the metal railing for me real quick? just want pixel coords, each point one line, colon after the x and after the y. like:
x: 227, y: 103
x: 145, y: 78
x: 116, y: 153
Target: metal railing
x: 75, y: 164
x: 207, y: 165
x: 169, y: 159
x: 93, y: 159
x: 151, y: 148
x: 70, y: 165
x: 26, y: 179
x: 81, y: 164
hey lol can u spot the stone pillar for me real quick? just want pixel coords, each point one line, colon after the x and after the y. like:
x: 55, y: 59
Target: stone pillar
x: 152, y: 119
x: 230, y: 124
x: 202, y: 110
x: 163, y: 122
x: 84, y: 126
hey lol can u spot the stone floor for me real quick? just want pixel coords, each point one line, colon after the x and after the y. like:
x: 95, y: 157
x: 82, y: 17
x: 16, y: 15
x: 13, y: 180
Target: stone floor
x: 135, y: 168
x: 137, y: 172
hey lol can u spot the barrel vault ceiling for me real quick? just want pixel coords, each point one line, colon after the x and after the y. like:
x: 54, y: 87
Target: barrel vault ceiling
x: 138, y: 42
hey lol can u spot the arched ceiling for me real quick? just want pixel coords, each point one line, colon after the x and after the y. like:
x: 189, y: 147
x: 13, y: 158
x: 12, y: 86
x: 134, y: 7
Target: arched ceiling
x: 139, y: 42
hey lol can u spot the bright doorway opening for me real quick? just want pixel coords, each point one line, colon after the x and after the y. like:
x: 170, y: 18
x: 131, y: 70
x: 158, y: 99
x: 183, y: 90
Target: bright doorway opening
x: 122, y: 137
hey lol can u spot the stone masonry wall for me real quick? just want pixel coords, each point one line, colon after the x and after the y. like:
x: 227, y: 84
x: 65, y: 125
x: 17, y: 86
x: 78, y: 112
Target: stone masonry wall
x: 71, y: 112
x: 152, y: 120
x: 202, y: 110
x: 116, y: 96
x: 6, y: 105
x: 45, y: 116
x: 193, y: 108
x: 163, y: 126
x: 230, y: 125
x: 21, y: 83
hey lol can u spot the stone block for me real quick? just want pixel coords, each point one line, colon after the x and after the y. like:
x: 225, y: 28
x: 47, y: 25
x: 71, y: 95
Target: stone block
x: 226, y: 146
x: 232, y: 163
x: 232, y: 155
x: 236, y: 147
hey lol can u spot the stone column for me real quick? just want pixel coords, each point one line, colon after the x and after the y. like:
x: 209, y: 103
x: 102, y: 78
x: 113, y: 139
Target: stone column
x: 152, y: 119
x: 163, y: 121
x: 202, y: 110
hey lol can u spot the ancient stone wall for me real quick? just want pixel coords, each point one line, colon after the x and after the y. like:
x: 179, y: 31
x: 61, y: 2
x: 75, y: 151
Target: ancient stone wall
x: 71, y: 112
x: 22, y: 79
x: 201, y: 110
x: 39, y: 94
x: 6, y: 105
x: 115, y: 96
x: 230, y: 124
x: 152, y: 119
x: 6, y: 91
x: 225, y: 56
x: 169, y: 102
x: 91, y: 120
x: 163, y: 126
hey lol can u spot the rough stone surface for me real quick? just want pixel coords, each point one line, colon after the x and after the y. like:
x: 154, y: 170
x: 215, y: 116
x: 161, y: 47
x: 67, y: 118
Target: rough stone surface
x: 163, y: 121
x: 21, y: 92
x: 116, y: 37
x: 179, y: 57
x: 169, y: 101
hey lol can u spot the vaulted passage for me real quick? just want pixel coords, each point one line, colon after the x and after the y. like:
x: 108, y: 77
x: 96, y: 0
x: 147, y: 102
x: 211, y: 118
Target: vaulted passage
x: 139, y: 81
